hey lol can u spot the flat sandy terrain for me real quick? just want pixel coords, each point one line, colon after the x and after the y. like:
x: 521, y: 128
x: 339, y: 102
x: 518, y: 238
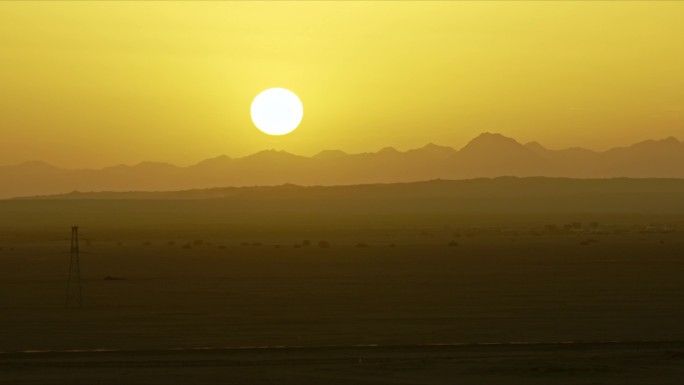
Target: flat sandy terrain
x: 507, y: 281
x: 590, y: 363
x: 523, y: 306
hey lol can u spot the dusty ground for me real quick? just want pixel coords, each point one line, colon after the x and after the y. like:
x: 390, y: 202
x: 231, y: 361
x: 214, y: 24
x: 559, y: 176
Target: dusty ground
x: 497, y: 286
x: 591, y: 363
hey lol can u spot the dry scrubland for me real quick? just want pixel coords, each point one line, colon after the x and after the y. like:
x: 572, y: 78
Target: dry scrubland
x: 445, y: 290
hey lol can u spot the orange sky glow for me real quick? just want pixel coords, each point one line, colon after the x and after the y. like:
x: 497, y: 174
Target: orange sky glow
x: 92, y: 84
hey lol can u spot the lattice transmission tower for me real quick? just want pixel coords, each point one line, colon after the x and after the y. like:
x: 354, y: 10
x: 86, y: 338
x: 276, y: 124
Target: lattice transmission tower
x: 74, y: 295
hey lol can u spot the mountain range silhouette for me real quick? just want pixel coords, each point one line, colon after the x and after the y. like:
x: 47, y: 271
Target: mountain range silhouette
x: 488, y: 155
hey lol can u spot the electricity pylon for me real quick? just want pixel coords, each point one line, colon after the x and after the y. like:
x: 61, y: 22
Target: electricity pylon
x: 74, y: 296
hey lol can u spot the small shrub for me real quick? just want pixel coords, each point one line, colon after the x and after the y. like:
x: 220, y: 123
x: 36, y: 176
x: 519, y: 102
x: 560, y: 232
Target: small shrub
x: 323, y: 244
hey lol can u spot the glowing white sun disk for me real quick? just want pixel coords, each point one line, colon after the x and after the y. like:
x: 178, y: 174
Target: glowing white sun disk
x: 277, y: 111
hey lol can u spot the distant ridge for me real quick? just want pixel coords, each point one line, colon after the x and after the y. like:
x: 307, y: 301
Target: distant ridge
x: 418, y: 200
x: 488, y: 155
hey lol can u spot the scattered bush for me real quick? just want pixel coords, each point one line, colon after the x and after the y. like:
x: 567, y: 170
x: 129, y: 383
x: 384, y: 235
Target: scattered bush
x: 453, y: 244
x: 323, y: 244
x: 306, y: 243
x: 361, y: 245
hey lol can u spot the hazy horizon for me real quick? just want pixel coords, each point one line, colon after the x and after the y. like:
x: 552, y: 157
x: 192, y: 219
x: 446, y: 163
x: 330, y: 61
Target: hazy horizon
x: 342, y: 151
x: 486, y: 156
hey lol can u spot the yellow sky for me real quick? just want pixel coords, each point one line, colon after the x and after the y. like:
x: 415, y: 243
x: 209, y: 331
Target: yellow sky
x: 90, y: 84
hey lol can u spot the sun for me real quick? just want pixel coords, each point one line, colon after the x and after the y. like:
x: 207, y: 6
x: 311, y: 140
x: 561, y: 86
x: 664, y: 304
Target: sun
x: 277, y: 111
